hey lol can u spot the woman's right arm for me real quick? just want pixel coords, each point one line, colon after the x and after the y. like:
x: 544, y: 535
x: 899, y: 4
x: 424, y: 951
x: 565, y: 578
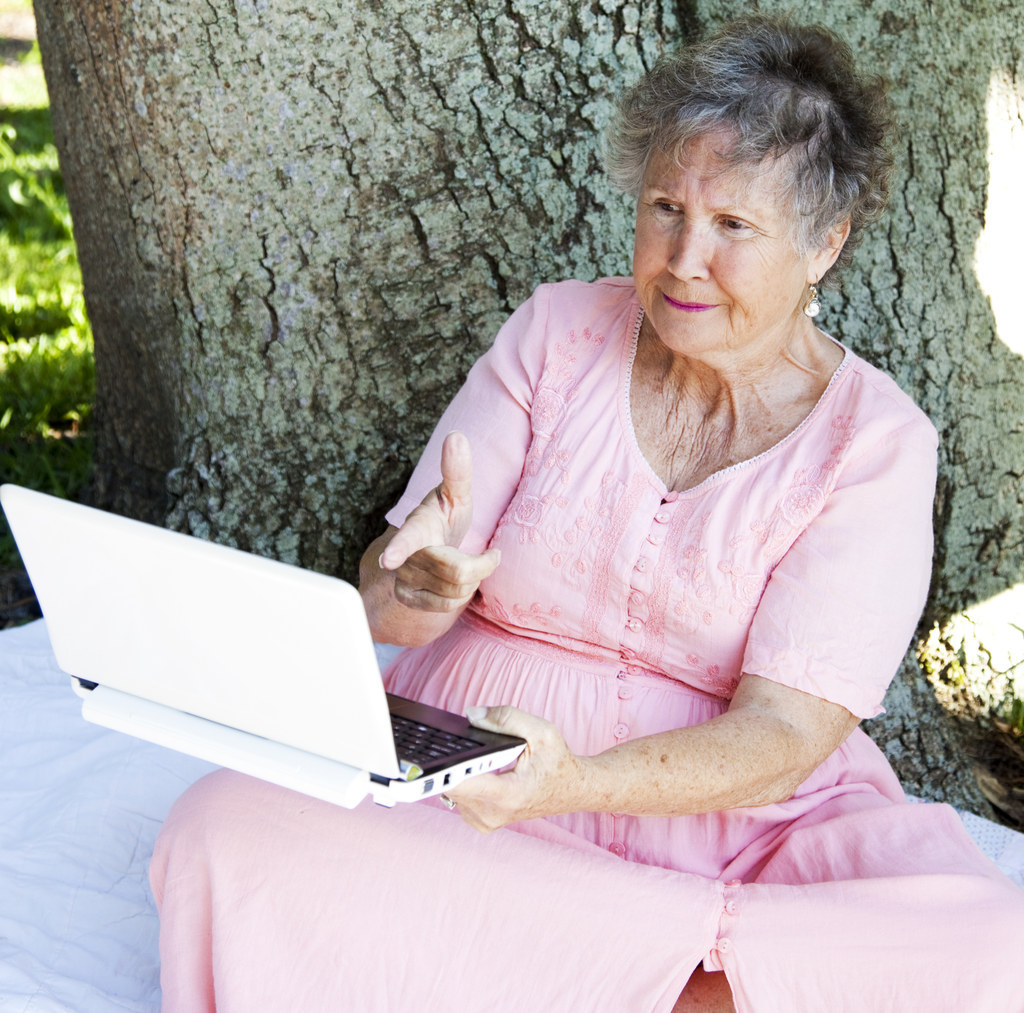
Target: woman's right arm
x: 415, y: 580
x: 421, y: 573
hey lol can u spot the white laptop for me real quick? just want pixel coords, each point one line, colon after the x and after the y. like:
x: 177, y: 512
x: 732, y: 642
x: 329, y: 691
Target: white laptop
x: 245, y: 662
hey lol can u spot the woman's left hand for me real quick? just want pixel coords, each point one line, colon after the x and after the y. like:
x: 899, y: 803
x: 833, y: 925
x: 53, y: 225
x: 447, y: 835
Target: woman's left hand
x: 547, y: 779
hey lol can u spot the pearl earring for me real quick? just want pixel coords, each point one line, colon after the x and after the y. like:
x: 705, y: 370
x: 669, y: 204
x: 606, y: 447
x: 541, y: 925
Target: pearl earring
x: 813, y: 306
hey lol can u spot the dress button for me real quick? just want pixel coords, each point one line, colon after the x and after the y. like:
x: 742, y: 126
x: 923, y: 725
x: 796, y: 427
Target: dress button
x: 621, y: 731
x: 724, y: 945
x: 637, y: 597
x: 627, y: 653
x: 635, y: 625
x: 735, y: 882
x: 655, y: 538
x: 642, y: 564
x: 730, y: 907
x: 625, y: 692
x: 662, y: 517
x: 617, y: 848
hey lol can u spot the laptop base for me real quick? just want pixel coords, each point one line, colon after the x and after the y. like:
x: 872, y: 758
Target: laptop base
x: 292, y: 768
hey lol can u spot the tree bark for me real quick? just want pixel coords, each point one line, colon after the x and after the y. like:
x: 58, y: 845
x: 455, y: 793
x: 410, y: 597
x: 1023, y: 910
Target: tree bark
x: 300, y: 224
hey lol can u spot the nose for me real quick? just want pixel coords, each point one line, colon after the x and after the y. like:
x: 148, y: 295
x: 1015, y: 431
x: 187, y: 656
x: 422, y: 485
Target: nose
x: 691, y: 252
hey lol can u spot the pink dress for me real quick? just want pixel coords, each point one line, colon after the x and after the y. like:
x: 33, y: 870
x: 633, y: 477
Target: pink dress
x: 621, y: 609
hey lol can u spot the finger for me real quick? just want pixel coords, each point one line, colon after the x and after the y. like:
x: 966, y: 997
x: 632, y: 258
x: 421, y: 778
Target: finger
x: 509, y: 720
x: 411, y: 584
x: 427, y: 601
x: 441, y: 578
x: 422, y: 529
x: 444, y: 516
x: 440, y: 567
x: 456, y: 486
x: 478, y: 802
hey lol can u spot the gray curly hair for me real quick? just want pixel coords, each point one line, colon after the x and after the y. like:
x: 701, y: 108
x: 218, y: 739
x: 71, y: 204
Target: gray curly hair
x: 782, y: 91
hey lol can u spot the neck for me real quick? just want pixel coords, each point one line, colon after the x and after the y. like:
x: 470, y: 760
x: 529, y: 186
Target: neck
x: 794, y: 366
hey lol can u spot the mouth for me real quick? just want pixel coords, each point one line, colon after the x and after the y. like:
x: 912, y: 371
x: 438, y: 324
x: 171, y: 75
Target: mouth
x: 689, y: 307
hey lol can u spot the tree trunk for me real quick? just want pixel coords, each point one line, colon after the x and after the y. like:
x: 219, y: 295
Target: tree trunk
x: 300, y: 225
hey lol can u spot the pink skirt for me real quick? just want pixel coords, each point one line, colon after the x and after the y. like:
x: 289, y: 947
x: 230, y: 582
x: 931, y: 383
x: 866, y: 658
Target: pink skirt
x: 843, y: 898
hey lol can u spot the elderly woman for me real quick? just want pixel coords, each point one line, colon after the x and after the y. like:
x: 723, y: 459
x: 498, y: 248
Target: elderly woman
x: 680, y: 542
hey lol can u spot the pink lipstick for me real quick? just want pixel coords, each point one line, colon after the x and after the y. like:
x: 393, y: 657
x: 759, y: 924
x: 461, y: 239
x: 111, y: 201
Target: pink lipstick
x: 689, y: 307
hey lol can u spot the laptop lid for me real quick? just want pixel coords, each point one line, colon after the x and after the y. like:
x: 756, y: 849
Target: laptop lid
x: 251, y: 643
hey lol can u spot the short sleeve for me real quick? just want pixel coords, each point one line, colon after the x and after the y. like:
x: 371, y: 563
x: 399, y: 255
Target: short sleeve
x: 492, y: 408
x: 840, y: 608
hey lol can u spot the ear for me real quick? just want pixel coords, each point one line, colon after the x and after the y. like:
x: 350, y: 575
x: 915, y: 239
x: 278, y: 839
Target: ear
x: 825, y: 257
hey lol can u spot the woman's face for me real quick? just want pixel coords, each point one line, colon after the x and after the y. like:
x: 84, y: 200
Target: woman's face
x: 714, y: 261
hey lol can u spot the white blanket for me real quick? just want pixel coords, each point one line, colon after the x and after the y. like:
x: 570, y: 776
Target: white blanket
x: 80, y: 807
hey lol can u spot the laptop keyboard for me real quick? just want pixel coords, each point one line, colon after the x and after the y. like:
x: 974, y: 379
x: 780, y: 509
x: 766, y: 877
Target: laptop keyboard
x: 422, y: 744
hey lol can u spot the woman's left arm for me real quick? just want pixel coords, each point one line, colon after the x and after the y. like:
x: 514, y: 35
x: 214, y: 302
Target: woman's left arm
x: 759, y: 751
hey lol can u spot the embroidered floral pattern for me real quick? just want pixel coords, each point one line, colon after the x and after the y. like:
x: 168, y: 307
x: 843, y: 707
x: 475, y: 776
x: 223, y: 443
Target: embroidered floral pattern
x: 718, y: 682
x: 747, y: 588
x: 805, y: 497
x: 680, y: 587
x: 607, y: 562
x: 527, y: 511
x: 711, y: 677
x: 559, y: 384
x: 801, y: 504
x: 695, y: 599
x: 548, y: 409
x: 535, y: 613
x: 538, y: 516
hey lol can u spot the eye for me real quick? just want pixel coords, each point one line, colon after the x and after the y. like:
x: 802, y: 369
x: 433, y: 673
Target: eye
x: 736, y: 226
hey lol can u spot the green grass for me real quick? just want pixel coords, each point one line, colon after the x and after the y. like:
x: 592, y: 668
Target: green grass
x: 46, y: 361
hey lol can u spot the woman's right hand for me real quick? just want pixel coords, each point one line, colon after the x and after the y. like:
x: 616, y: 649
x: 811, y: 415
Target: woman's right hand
x: 425, y: 569
x: 431, y: 573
